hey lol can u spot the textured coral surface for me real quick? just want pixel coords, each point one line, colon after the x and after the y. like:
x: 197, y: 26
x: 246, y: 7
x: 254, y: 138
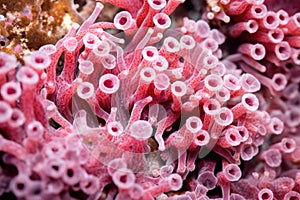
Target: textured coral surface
x: 154, y: 99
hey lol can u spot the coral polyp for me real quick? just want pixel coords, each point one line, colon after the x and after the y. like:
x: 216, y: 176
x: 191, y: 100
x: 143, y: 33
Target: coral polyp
x: 140, y: 107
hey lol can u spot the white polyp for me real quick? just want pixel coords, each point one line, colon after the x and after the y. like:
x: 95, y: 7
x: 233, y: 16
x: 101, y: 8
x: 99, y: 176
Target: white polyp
x: 27, y: 76
x: 7, y: 62
x: 150, y: 53
x: 283, y: 50
x: 211, y: 107
x: 233, y: 137
x: 296, y: 56
x: 291, y: 90
x: 115, y: 128
x: 258, y: 11
x: 171, y: 44
x: 223, y: 95
x: 20, y: 185
x: 189, y: 25
x: 90, y: 40
x: 123, y: 20
x: 123, y: 178
x: 224, y: 117
x: 11, y: 91
x: 37, y: 60
x: 249, y: 83
x: 175, y: 182
x: 5, y: 112
x: 85, y: 90
x: 160, y: 64
x: 89, y: 185
x: 35, y: 130
x: 295, y: 21
x: 102, y: 48
x: 276, y: 126
x: 270, y: 21
x: 157, y: 4
x: 202, y: 138
x: 109, y: 61
x: 116, y: 164
x: 136, y: 191
x: 292, y: 117
x: 17, y: 118
x: 161, y: 81
x: 210, y: 44
x: 232, y: 172
x: 251, y: 26
x: 178, y: 88
x: 276, y: 35
x: 231, y: 82
x: 213, y: 82
x: 48, y: 49
x: 109, y: 83
x: 250, y: 102
x: 279, y: 82
x: 291, y: 195
x: 288, y: 145
x: 218, y: 53
x: 218, y: 36
x: 55, y: 186
x: 258, y: 51
x: 210, y: 61
x: 243, y: 132
x: 210, y: 15
x: 219, y: 70
x: 265, y: 194
x: 247, y: 151
x: 86, y: 67
x: 283, y: 17
x: 255, y: 51
x: 187, y: 42
x: 162, y: 21
x: 193, y: 124
x: 141, y: 130
x: 147, y: 74
x: 70, y: 43
x: 272, y: 157
x: 203, y: 29
x: 261, y: 129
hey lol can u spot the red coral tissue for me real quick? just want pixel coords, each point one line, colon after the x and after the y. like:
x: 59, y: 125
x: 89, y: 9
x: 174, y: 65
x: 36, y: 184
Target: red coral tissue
x: 139, y: 108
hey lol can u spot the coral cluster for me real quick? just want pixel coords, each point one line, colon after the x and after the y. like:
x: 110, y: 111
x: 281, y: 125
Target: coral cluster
x: 140, y: 109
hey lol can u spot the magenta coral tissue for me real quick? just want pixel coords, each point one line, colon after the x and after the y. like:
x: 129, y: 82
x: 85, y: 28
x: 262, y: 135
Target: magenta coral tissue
x: 156, y: 103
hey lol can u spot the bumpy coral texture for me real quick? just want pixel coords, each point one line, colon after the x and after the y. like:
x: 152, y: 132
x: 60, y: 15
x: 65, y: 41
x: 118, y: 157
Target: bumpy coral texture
x: 140, y: 109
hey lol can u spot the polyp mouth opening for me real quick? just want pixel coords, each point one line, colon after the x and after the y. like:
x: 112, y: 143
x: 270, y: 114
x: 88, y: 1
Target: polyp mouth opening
x: 123, y: 20
x: 162, y: 21
x: 108, y: 83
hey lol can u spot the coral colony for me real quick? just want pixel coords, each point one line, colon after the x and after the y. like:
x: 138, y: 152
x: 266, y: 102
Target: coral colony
x: 139, y: 108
